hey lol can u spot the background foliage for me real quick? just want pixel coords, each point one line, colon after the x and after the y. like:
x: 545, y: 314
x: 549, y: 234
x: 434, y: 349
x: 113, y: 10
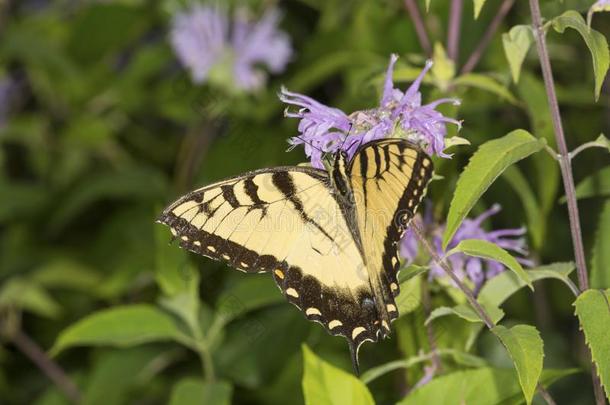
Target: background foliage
x: 101, y: 127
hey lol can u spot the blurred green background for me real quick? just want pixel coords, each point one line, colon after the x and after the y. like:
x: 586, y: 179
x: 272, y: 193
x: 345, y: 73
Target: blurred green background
x: 100, y: 127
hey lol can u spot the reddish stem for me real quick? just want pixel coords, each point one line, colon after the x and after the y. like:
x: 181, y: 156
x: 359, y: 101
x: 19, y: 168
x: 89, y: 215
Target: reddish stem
x: 566, y: 169
x: 420, y: 28
x: 476, y: 55
x: 51, y: 369
x: 453, y: 32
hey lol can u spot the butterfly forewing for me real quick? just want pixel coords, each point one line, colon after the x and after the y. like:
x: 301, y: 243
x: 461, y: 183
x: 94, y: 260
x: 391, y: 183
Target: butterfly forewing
x: 286, y: 221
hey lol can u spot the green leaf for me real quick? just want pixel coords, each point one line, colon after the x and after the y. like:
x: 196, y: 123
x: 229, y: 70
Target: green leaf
x: 517, y: 43
x: 27, y: 295
x: 19, y: 200
x: 466, y: 312
x: 245, y: 295
x: 409, y: 298
x: 546, y: 175
x: 501, y: 287
x: 536, y: 226
x: 486, y: 83
x: 476, y: 386
x: 485, y: 165
x: 119, y: 326
x: 488, y: 250
x: 114, y: 373
x: 325, y: 384
x: 66, y: 273
x: 478, y: 5
x: 323, y: 67
x: 595, y: 41
x: 138, y: 183
x: 593, y: 311
x: 443, y: 69
x: 428, y: 2
x: 455, y: 141
x: 378, y: 371
x: 101, y: 39
x: 173, y: 269
x: 600, y: 257
x: 194, y: 391
x: 524, y: 346
x: 458, y: 356
x: 411, y: 271
x: 595, y: 185
x: 186, y: 304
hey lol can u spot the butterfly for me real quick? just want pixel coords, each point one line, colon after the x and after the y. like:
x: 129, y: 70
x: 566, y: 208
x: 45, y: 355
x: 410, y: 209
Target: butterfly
x: 328, y: 237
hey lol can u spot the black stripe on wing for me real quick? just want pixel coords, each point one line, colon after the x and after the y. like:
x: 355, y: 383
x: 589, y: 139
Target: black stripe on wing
x: 208, y: 200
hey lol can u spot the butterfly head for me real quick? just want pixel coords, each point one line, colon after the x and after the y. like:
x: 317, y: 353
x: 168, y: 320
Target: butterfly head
x: 340, y: 162
x: 339, y: 173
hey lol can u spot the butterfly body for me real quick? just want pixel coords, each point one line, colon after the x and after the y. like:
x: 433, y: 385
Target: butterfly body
x: 328, y: 237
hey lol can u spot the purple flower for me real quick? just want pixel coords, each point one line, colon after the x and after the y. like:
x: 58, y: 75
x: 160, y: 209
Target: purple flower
x: 258, y: 43
x: 325, y: 129
x: 475, y: 269
x: 600, y: 5
x: 205, y: 41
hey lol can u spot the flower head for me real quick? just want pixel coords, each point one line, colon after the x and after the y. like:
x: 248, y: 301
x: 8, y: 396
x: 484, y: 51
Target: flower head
x: 475, y: 269
x: 204, y: 40
x: 325, y: 129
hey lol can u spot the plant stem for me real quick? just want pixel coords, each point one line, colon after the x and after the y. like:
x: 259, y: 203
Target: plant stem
x: 420, y: 28
x: 586, y: 145
x: 467, y: 292
x: 436, y: 360
x: 441, y: 262
x: 192, y: 150
x: 564, y: 160
x: 51, y: 369
x: 207, y: 363
x: 566, y: 169
x: 545, y: 395
x: 476, y: 55
x: 453, y: 31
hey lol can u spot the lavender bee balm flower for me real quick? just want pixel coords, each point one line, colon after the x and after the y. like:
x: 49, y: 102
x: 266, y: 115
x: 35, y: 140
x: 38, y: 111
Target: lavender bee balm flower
x: 475, y: 269
x: 231, y: 53
x: 327, y: 129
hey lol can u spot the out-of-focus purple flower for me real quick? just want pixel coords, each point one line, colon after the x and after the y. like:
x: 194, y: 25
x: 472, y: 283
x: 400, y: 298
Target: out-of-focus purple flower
x: 326, y: 129
x: 258, y: 43
x: 199, y: 37
x: 475, y: 269
x: 204, y: 39
x: 600, y: 5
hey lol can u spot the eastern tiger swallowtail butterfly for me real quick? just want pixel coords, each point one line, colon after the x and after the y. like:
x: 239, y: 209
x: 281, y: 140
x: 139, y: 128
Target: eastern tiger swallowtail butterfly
x: 328, y: 237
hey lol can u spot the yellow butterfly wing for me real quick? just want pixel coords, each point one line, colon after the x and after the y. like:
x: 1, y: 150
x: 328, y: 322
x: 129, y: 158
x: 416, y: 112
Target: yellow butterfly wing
x: 286, y: 221
x: 388, y: 179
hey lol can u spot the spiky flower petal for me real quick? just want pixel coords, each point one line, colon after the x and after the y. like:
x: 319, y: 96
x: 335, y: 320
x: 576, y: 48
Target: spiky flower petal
x: 400, y: 114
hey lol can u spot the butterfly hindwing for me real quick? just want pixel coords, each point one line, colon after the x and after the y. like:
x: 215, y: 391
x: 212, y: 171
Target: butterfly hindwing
x: 388, y: 179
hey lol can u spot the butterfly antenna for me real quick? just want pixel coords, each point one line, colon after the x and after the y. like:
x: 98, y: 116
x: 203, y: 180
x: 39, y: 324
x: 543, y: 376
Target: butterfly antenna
x: 309, y: 143
x: 353, y: 351
x: 346, y: 136
x: 313, y: 146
